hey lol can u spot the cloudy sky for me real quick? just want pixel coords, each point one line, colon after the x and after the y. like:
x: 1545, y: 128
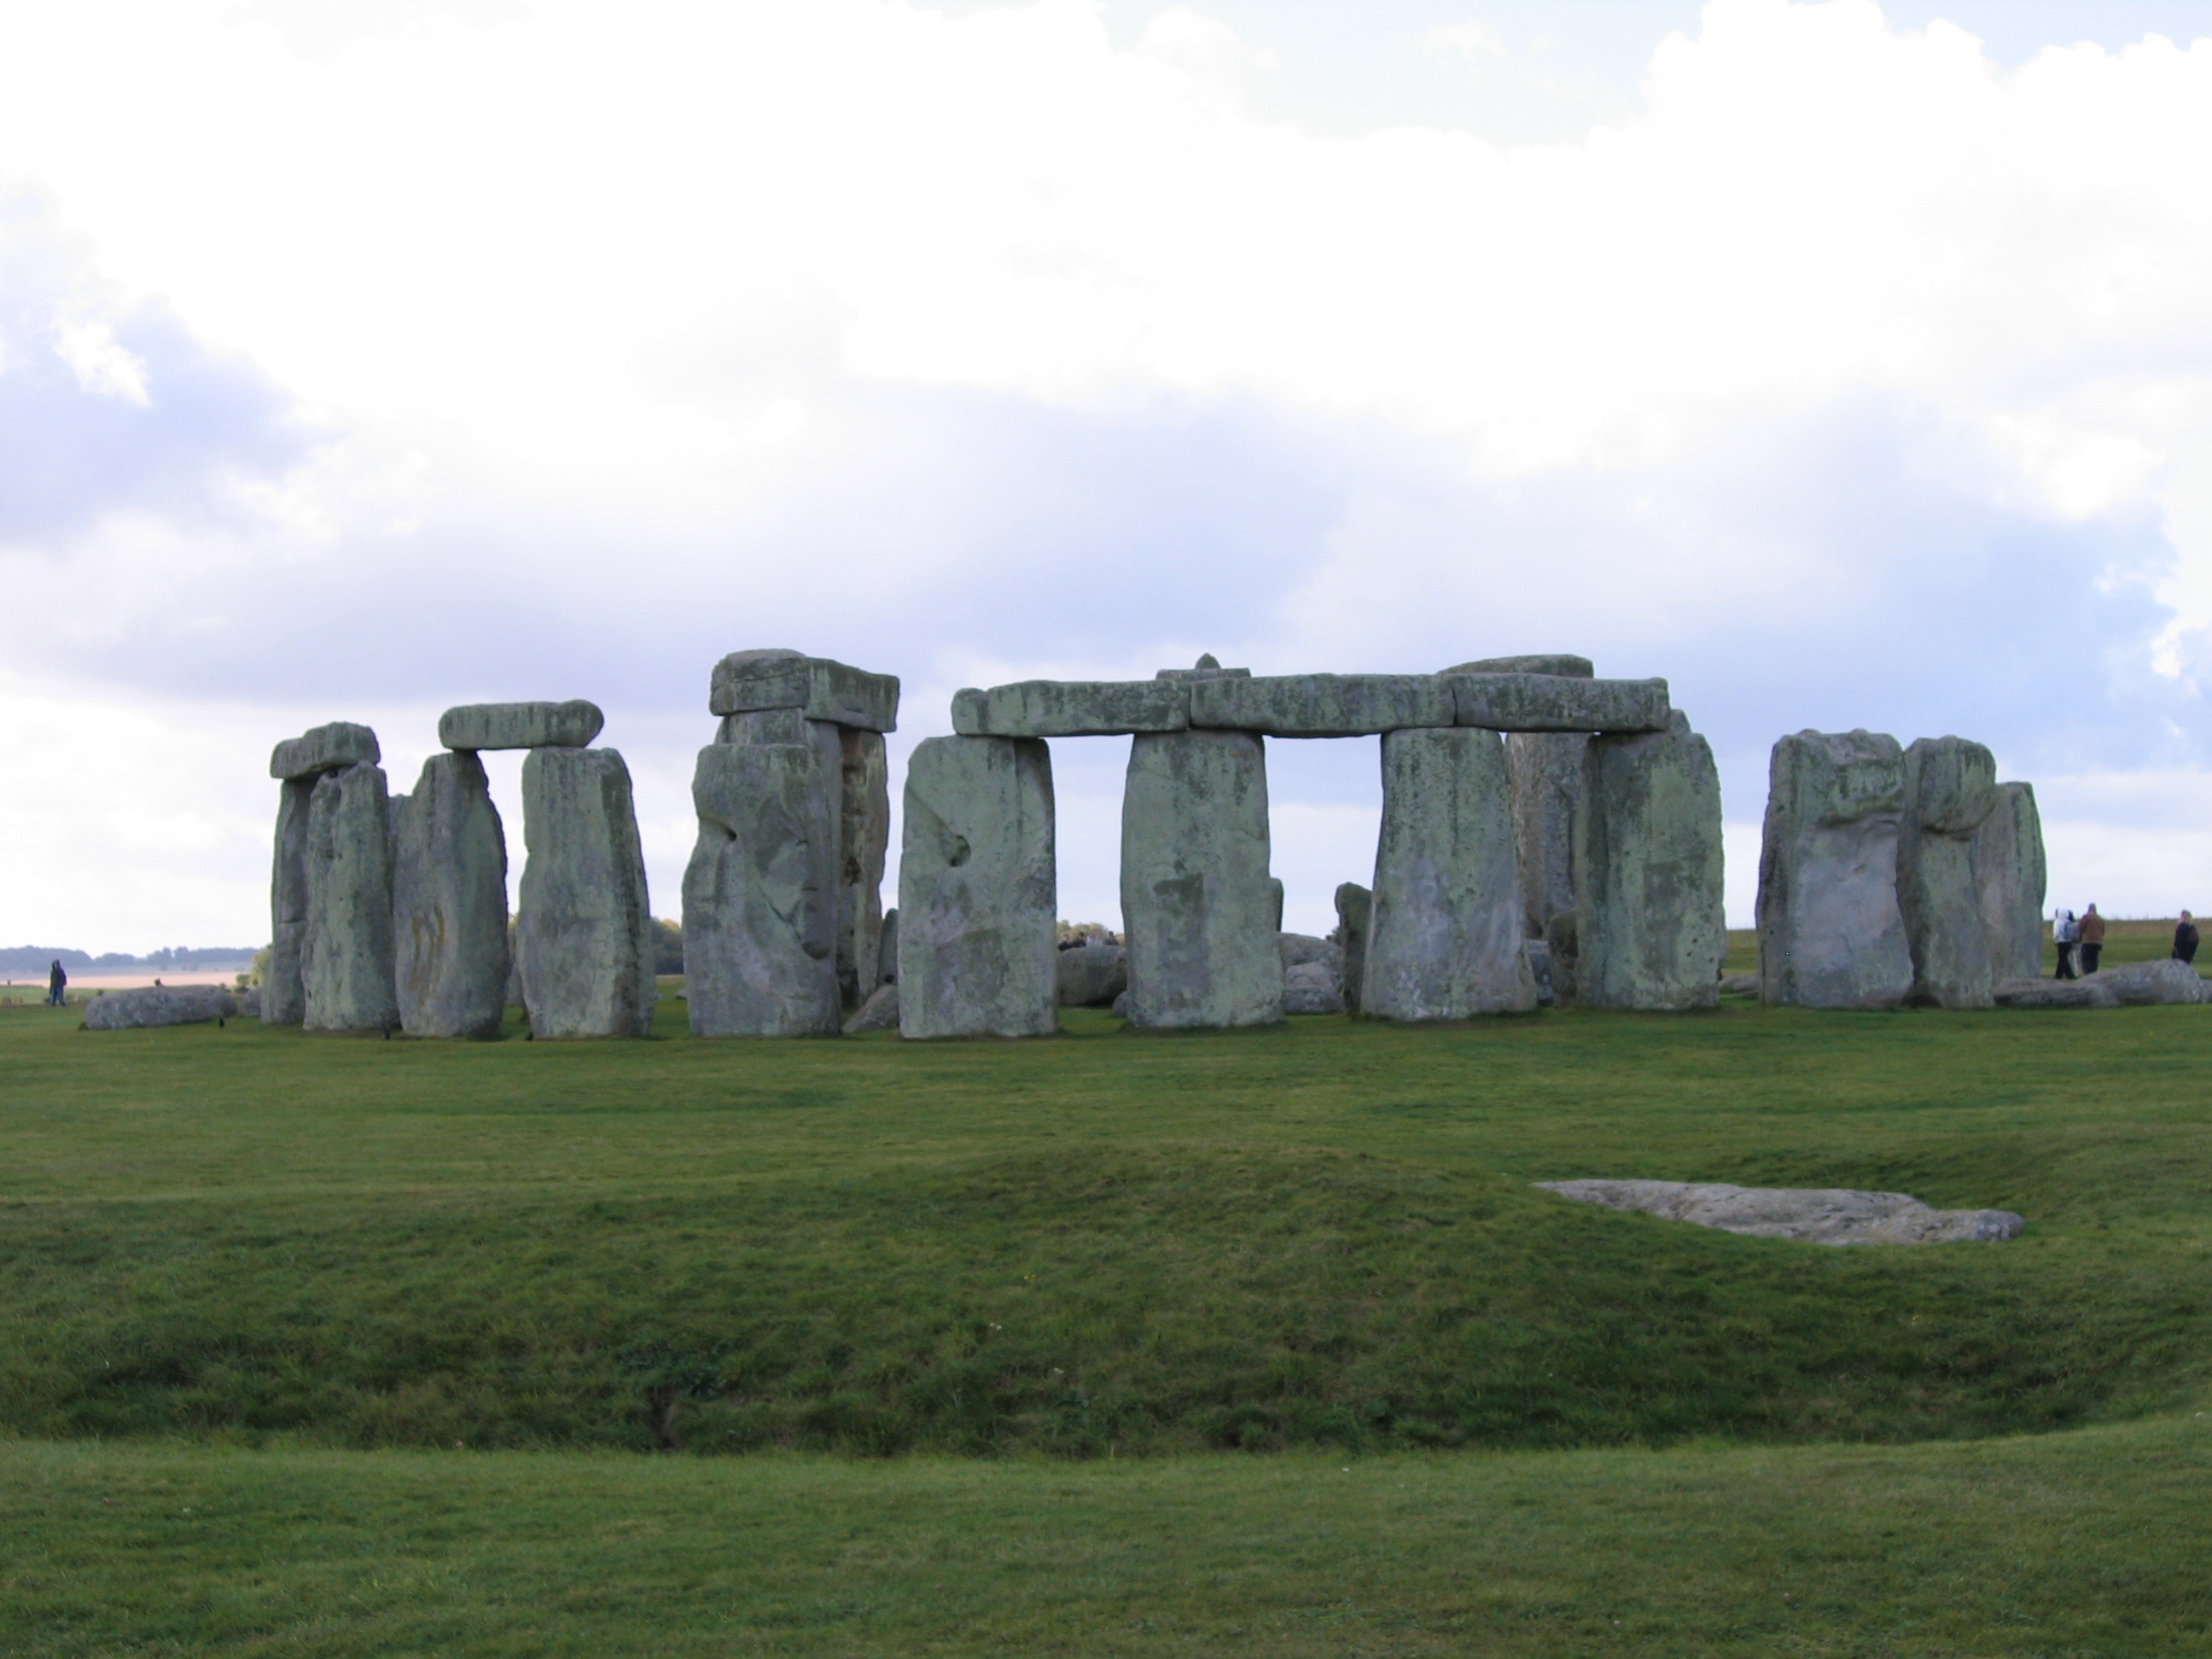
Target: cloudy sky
x: 1845, y: 365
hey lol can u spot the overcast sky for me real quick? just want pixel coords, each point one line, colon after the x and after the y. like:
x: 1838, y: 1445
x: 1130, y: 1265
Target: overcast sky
x: 1847, y: 366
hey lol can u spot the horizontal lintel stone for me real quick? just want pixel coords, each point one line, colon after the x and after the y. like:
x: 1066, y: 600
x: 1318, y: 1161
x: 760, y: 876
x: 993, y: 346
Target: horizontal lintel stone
x: 1559, y: 703
x: 1072, y: 708
x: 570, y: 724
x: 747, y: 681
x: 326, y: 749
x: 1321, y: 705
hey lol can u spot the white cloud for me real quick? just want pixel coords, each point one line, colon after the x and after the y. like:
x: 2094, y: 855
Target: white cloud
x: 102, y: 367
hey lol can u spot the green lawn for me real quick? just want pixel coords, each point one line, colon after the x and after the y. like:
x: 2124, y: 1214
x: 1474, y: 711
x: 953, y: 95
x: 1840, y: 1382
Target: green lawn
x: 1227, y: 1342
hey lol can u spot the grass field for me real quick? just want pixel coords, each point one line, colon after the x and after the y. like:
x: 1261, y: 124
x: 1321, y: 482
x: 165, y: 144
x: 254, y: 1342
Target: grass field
x: 1001, y: 1330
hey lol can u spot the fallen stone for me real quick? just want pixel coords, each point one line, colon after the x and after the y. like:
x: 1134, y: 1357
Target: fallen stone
x: 1650, y: 932
x: 249, y: 1002
x: 1830, y: 933
x: 1561, y: 664
x: 1121, y: 1009
x: 1950, y: 789
x: 1444, y: 941
x: 1545, y: 772
x: 1355, y: 906
x: 1092, y: 975
x: 583, y: 933
x: 2055, y: 994
x: 880, y: 1012
x: 760, y: 893
x: 1740, y: 985
x: 449, y: 903
x: 284, y: 995
x: 864, y: 831
x: 1321, y: 705
x: 1311, y: 989
x: 747, y: 680
x: 158, y: 1004
x: 571, y: 725
x: 1298, y: 949
x: 345, y: 948
x: 1072, y: 708
x: 1810, y: 1216
x: 1556, y: 702
x: 2010, y: 878
x: 2144, y: 984
x: 977, y: 890
x: 1198, y: 909
x: 326, y: 749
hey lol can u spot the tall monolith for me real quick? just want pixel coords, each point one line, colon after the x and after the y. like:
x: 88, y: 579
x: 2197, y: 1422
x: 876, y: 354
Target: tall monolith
x: 449, y: 902
x: 345, y: 954
x: 583, y: 933
x: 760, y: 894
x: 1651, y: 931
x: 297, y: 763
x: 1355, y: 908
x: 2010, y: 877
x: 863, y: 841
x: 1950, y: 790
x: 978, y: 890
x: 1830, y: 935
x: 1445, y: 940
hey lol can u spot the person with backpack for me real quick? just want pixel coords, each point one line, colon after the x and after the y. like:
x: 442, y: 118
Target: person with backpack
x: 2064, y: 932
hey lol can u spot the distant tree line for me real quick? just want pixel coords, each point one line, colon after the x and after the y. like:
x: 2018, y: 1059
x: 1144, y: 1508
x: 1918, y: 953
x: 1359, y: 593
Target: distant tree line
x: 18, y: 960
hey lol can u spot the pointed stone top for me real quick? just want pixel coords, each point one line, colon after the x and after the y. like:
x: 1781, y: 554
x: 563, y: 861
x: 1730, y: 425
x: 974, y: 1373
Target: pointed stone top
x: 1206, y: 659
x: 1208, y: 668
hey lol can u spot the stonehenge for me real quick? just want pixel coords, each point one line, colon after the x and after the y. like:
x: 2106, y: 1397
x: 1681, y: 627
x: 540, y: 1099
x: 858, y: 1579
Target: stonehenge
x: 583, y: 934
x: 1950, y: 789
x: 1651, y: 932
x: 345, y: 945
x: 449, y: 902
x: 2010, y: 878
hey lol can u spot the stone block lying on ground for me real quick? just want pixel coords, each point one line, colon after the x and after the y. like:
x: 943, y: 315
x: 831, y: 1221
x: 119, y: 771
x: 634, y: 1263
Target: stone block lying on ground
x: 1310, y: 988
x: 1810, y: 1216
x: 828, y: 691
x: 1740, y: 985
x: 158, y: 1004
x: 1072, y: 708
x: 1557, y: 663
x: 880, y: 1012
x: 1297, y: 949
x: 1830, y: 935
x: 1092, y: 975
x: 1557, y: 702
x: 326, y: 748
x: 1321, y: 705
x: 1950, y: 789
x: 571, y: 725
x: 2138, y: 985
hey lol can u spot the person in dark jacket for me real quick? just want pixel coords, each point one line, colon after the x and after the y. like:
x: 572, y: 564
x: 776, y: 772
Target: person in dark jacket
x: 2185, y: 939
x: 2093, y: 939
x: 57, y: 982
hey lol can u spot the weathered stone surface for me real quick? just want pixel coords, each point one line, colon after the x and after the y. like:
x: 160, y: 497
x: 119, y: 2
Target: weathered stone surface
x: 1558, y: 702
x: 1321, y: 705
x: 977, y: 889
x: 1121, y: 1009
x: 583, y: 931
x: 1445, y: 939
x: 1563, y: 940
x: 760, y: 894
x: 158, y: 1004
x: 249, y: 1002
x: 2141, y: 984
x: 864, y: 831
x: 1950, y: 789
x: 284, y: 992
x: 880, y: 1012
x: 1740, y: 985
x: 449, y: 903
x: 571, y: 725
x: 2055, y: 994
x: 1092, y: 975
x: 1814, y: 1216
x: 1650, y: 931
x: 345, y: 949
x: 826, y: 690
x: 326, y: 748
x: 1311, y: 989
x: 1830, y: 935
x: 1538, y: 953
x: 1545, y: 770
x: 1197, y: 908
x: 887, y: 966
x: 1355, y: 906
x: 1570, y: 667
x: 1275, y: 902
x: 2010, y: 878
x: 766, y: 726
x: 1072, y: 708
x: 1297, y: 949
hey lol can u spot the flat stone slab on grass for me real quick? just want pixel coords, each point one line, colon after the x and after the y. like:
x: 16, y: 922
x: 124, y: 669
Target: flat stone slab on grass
x: 1558, y: 702
x: 1321, y: 705
x: 1072, y: 708
x: 158, y: 1004
x: 746, y: 681
x: 1810, y: 1215
x: 2138, y: 985
x: 570, y: 724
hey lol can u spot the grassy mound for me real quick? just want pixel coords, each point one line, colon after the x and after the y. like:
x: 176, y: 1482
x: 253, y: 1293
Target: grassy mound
x: 1322, y: 1235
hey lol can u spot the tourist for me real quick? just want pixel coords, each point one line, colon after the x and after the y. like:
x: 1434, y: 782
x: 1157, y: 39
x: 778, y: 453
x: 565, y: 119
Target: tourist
x: 2185, y: 939
x: 2092, y: 940
x: 58, y: 981
x: 2064, y: 931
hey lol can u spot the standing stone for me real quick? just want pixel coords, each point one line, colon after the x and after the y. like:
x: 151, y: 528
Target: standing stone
x: 1830, y: 932
x: 760, y: 895
x: 345, y: 954
x: 1545, y: 772
x: 1198, y: 908
x: 1354, y: 904
x: 284, y: 992
x: 449, y: 902
x: 583, y: 931
x: 978, y: 889
x: 1651, y: 932
x: 1275, y: 902
x: 887, y: 962
x: 2010, y: 875
x: 1950, y: 790
x: 863, y: 839
x: 1445, y: 936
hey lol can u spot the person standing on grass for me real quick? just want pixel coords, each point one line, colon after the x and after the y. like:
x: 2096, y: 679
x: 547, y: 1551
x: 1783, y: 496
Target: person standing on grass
x: 57, y: 982
x: 2093, y: 939
x: 2064, y: 931
x: 2185, y: 939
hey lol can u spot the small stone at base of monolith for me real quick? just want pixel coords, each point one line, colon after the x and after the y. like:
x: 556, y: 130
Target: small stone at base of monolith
x: 1092, y: 975
x: 1810, y: 1216
x: 158, y: 1004
x: 1311, y: 989
x: 880, y: 1012
x: 583, y: 931
x: 345, y: 951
